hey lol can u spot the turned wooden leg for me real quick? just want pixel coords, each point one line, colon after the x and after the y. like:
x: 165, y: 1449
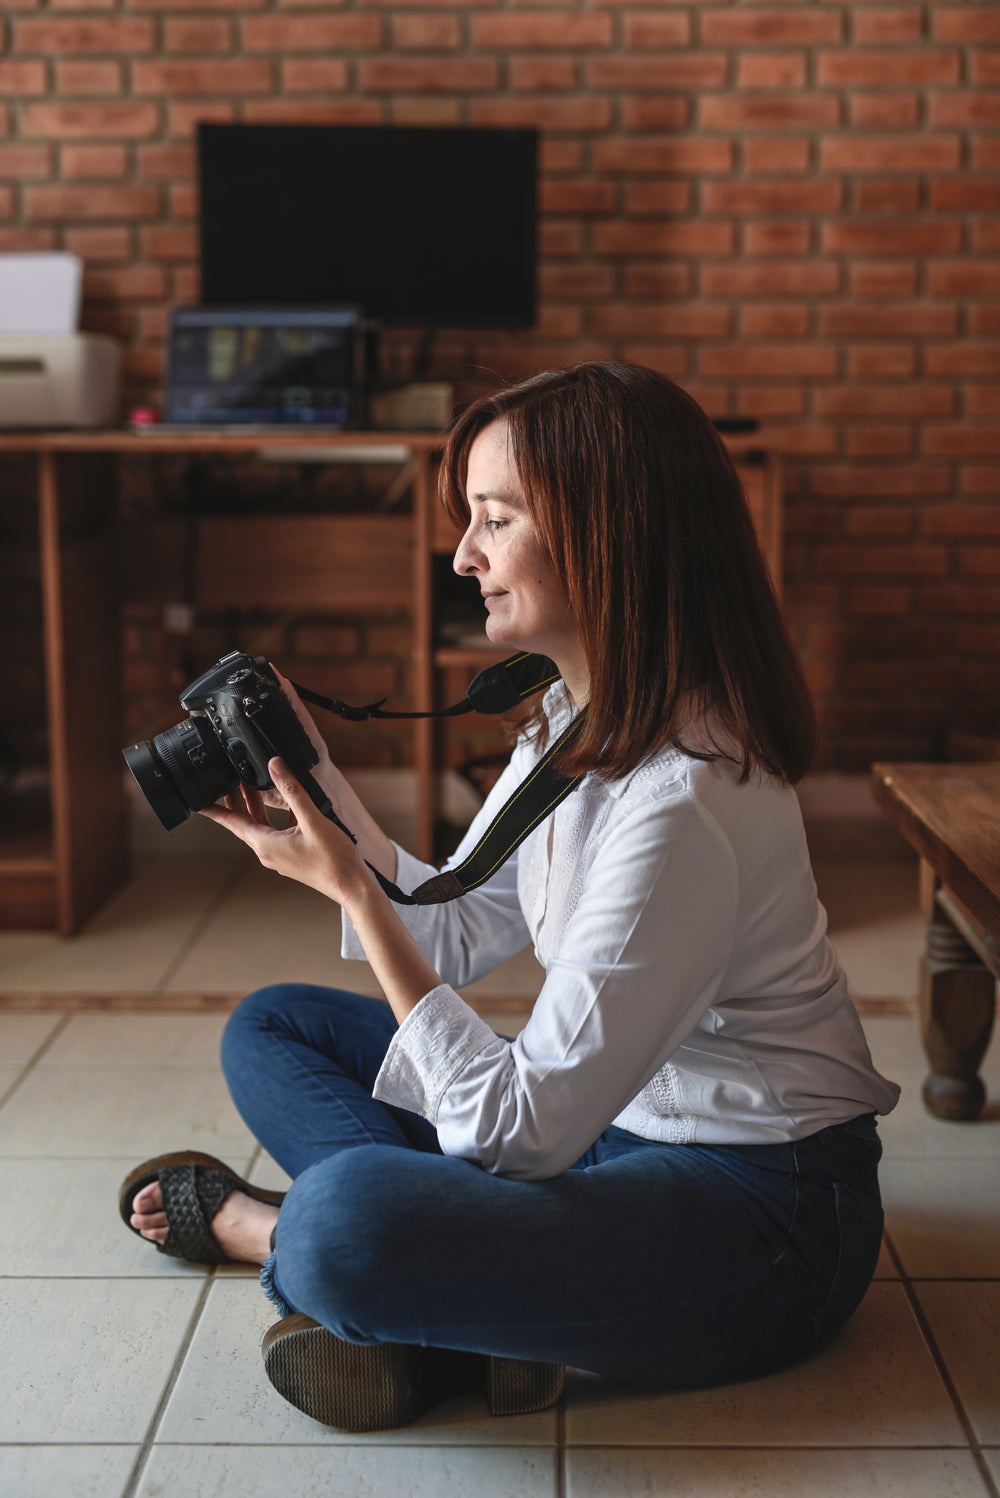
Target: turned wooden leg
x: 957, y: 1000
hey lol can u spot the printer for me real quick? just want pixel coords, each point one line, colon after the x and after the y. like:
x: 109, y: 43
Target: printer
x: 51, y: 375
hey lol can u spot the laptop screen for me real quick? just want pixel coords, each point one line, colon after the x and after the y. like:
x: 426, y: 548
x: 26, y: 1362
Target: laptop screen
x: 268, y: 367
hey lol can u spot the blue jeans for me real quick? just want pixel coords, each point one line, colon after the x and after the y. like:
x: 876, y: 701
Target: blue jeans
x: 671, y: 1265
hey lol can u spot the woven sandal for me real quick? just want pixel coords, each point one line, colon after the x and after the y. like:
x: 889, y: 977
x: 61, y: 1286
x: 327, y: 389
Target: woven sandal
x: 194, y: 1186
x: 382, y: 1385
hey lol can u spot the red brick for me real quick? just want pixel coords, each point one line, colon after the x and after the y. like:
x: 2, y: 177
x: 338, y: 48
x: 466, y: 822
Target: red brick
x: 221, y: 75
x: 899, y: 320
x: 198, y: 34
x: 965, y: 23
x: 855, y: 68
x: 895, y: 196
x: 965, y: 358
x: 881, y: 281
x: 107, y: 243
x: 437, y: 75
x: 581, y: 196
x: 19, y: 239
x: 127, y: 283
x: 577, y: 115
x: 312, y: 75
x: 170, y: 242
x: 697, y: 238
x: 198, y: 5
x: 962, y: 440
x: 893, y: 360
x: 184, y: 115
x: 765, y: 401
x: 871, y: 441
x: 966, y: 278
x: 965, y: 109
x: 423, y: 33
x: 653, y: 320
x: 55, y: 204
x: 23, y: 163
x: 655, y: 112
x: 642, y: 32
x: 980, y: 478
x: 311, y: 33
x: 575, y: 282
x: 771, y: 278
x: 172, y: 159
x: 561, y: 30
x: 89, y: 77
x: 23, y: 76
x: 89, y: 35
x: 772, y: 70
x: 93, y: 161
x: 300, y: 111
x: 559, y: 239
x: 962, y: 520
x: 958, y: 598
x: 985, y: 67
x: 6, y: 202
x: 985, y: 154
x: 652, y: 154
x: 984, y: 321
x: 776, y: 238
x: 668, y: 279
x: 117, y: 119
x: 774, y: 320
x: 784, y: 360
x: 657, y: 198
x: 892, y: 153
x: 878, y: 601
x: 776, y: 154
x: 659, y: 70
x: 769, y: 112
x: 560, y: 155
x: 770, y: 25
x: 975, y: 193
x: 883, y: 111
x: 854, y: 560
x: 884, y: 24
x: 859, y: 399
x: 880, y: 520
x: 875, y: 237
x: 672, y: 360
x: 976, y: 639
x: 817, y: 195
x: 857, y: 479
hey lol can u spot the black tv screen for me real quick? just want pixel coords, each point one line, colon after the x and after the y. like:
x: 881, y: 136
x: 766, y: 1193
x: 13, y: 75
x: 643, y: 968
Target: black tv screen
x: 429, y: 227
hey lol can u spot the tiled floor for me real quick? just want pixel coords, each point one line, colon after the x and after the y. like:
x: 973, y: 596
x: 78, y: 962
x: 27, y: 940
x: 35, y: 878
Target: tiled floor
x: 126, y: 1373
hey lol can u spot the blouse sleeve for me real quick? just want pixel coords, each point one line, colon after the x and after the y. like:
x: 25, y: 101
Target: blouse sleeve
x: 639, y: 961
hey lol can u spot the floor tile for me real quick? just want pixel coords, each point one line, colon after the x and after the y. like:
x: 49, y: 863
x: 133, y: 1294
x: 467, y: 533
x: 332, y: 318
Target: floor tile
x: 878, y: 940
x: 992, y: 1459
x: 66, y: 1223
x: 944, y: 1216
x: 22, y: 1035
x: 964, y: 1319
x: 84, y: 1471
x: 102, y: 1110
x: 138, y: 1040
x: 909, y: 1131
x: 87, y: 1360
x: 223, y: 1394
x: 132, y: 943
x: 876, y: 1385
x: 360, y: 1471
x: 747, y: 1473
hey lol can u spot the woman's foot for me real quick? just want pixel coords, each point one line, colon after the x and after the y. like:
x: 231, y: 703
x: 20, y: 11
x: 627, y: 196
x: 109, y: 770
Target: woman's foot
x: 242, y: 1227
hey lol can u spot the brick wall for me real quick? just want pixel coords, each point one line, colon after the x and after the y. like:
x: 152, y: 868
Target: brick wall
x: 791, y: 208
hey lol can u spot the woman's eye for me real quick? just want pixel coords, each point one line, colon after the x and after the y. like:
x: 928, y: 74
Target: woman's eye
x: 495, y: 525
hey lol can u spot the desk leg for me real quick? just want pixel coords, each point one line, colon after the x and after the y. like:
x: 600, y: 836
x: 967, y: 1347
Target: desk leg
x: 957, y: 1000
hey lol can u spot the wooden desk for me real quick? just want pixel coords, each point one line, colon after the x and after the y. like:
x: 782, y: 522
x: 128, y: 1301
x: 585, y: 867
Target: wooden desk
x: 951, y: 816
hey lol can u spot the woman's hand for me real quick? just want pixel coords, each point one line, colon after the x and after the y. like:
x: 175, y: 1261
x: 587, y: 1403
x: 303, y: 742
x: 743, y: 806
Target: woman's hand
x: 312, y: 850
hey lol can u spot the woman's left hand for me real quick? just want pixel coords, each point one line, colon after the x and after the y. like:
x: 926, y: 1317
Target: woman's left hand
x: 312, y: 849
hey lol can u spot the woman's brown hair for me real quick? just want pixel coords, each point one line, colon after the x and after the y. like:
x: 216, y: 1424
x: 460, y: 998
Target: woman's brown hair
x: 640, y: 510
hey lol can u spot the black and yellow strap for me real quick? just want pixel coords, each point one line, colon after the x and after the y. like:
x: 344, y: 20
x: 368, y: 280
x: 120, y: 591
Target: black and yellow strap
x: 495, y: 690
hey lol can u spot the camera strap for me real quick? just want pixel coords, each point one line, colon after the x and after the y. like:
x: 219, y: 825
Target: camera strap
x: 495, y: 690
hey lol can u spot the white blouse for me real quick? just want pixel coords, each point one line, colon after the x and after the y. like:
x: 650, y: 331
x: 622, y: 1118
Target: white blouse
x: 690, y: 992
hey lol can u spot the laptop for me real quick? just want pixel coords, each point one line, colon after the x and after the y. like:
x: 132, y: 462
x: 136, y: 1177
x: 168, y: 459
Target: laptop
x: 264, y: 367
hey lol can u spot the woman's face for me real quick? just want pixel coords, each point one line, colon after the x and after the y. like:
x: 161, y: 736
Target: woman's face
x: 525, y: 600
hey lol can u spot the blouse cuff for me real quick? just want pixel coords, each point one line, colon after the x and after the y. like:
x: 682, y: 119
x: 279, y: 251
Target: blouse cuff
x: 435, y: 1042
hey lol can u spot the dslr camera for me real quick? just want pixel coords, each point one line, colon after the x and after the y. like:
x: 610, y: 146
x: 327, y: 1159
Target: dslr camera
x: 239, y: 719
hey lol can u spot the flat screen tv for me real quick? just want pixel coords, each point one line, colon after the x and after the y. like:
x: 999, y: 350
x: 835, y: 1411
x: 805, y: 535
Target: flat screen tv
x: 428, y: 227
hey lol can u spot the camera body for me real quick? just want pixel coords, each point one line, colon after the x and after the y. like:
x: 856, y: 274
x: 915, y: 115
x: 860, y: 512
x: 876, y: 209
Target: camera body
x: 239, y: 720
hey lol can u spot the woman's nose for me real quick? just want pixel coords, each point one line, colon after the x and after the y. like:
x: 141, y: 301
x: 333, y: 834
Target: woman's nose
x: 465, y: 560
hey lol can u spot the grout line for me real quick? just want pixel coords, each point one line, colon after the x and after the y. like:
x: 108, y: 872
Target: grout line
x: 147, y: 1442
x: 975, y: 1448
x: 33, y: 1060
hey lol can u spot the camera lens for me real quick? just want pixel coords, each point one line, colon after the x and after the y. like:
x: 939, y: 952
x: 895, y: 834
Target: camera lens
x: 181, y: 770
